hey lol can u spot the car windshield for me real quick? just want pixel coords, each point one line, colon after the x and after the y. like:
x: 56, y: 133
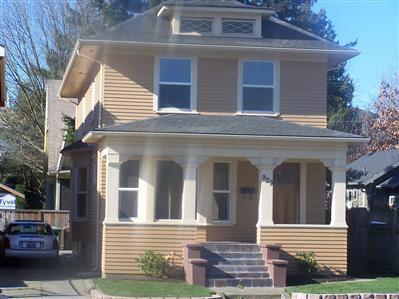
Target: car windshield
x: 29, y: 229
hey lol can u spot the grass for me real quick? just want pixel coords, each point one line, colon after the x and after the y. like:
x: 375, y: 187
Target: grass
x: 377, y: 285
x: 150, y: 288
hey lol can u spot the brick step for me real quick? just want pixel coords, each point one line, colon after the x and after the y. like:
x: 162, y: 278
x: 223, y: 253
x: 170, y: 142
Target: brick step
x: 237, y: 262
x: 232, y: 255
x: 233, y: 282
x: 244, y: 274
x: 236, y: 268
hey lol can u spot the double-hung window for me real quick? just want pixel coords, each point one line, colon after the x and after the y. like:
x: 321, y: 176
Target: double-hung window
x: 169, y: 190
x: 258, y: 88
x: 221, y: 191
x: 175, y: 87
x: 81, y: 193
x: 129, y: 188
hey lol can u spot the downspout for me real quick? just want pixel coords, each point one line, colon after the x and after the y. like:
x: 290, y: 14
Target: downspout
x: 97, y: 251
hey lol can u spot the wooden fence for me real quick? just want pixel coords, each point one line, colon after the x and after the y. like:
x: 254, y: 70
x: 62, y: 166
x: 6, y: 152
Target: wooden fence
x: 58, y: 219
x: 372, y: 247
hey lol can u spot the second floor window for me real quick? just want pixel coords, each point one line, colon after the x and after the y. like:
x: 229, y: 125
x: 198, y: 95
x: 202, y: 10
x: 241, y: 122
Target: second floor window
x: 258, y: 87
x: 175, y: 84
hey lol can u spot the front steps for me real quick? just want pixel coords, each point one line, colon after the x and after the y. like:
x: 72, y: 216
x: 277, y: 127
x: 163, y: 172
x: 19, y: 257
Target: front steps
x: 235, y: 264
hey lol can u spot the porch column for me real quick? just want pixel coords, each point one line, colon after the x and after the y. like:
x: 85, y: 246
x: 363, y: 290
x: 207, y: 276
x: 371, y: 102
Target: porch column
x: 112, y: 187
x: 338, y: 204
x: 265, y: 211
x: 303, y: 192
x: 190, y: 166
x: 57, y: 205
x: 146, y: 199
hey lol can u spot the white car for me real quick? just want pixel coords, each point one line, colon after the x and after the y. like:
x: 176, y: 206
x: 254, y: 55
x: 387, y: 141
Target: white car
x: 29, y: 239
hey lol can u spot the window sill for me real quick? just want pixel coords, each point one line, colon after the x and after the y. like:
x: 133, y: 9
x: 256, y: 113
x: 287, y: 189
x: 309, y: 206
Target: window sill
x: 274, y: 114
x: 175, y: 111
x: 222, y: 222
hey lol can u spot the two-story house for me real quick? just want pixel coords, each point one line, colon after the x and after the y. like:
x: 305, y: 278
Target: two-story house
x: 205, y: 121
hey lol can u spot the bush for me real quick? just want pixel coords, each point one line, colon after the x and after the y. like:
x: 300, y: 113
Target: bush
x: 152, y: 264
x: 307, y: 261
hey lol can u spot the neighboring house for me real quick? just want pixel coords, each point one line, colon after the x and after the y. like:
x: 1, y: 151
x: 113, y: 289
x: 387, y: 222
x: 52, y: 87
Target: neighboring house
x: 57, y: 183
x: 371, y: 180
x: 204, y: 121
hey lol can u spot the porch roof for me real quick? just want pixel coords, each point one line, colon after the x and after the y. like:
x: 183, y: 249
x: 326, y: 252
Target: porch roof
x: 197, y: 125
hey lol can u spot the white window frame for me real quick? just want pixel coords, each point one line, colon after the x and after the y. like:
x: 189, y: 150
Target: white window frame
x: 78, y: 192
x: 130, y: 190
x: 193, y: 84
x: 230, y: 201
x: 253, y: 21
x: 275, y: 86
x: 212, y: 20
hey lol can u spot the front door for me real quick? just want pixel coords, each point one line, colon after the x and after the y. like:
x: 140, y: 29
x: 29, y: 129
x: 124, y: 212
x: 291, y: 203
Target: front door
x: 247, y: 202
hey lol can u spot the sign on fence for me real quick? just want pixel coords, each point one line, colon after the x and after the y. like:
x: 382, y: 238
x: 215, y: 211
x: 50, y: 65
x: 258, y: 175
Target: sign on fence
x: 7, y: 201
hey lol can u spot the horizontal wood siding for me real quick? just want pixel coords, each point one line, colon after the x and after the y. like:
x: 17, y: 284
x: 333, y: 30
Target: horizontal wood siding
x: 303, y: 92
x: 329, y: 245
x: 88, y: 111
x: 123, y: 244
x: 217, y: 85
x: 128, y: 89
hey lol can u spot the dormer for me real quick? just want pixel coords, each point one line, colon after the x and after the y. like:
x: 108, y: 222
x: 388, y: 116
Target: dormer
x: 217, y: 18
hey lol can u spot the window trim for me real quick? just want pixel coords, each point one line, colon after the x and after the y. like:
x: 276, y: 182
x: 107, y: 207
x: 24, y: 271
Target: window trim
x: 130, y: 190
x: 253, y: 21
x: 211, y: 19
x: 231, y: 202
x: 77, y: 192
x: 241, y: 85
x: 193, y: 84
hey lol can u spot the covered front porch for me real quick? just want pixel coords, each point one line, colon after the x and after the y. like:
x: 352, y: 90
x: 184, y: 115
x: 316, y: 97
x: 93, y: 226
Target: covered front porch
x: 164, y: 192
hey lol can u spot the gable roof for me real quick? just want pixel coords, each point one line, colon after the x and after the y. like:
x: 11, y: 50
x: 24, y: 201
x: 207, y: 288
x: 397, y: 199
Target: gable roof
x: 197, y: 125
x: 369, y: 168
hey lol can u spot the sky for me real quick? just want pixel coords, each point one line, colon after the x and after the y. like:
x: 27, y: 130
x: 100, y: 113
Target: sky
x: 375, y: 24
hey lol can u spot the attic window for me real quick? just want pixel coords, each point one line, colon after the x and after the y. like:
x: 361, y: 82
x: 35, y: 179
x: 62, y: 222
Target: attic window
x: 195, y: 25
x: 230, y: 26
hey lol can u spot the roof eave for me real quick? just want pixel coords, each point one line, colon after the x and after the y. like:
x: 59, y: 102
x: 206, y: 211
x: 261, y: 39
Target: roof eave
x: 67, y: 72
x: 96, y: 136
x: 169, y: 8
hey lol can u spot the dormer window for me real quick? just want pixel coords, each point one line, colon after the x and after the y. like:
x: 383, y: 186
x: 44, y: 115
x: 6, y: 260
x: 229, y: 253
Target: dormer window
x: 236, y: 26
x: 196, y: 25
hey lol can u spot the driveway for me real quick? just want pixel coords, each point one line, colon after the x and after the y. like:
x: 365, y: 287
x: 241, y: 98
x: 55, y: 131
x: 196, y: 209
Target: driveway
x: 37, y: 279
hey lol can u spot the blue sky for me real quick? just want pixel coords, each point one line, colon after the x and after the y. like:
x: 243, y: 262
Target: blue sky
x: 375, y: 23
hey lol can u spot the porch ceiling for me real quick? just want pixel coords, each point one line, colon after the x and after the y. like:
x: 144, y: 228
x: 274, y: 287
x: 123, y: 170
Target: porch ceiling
x: 222, y: 126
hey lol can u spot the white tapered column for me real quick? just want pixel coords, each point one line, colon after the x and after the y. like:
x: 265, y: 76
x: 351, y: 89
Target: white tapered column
x: 189, y: 192
x: 338, y: 204
x: 112, y: 188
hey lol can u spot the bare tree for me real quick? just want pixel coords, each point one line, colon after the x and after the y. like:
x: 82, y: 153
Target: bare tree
x: 39, y: 37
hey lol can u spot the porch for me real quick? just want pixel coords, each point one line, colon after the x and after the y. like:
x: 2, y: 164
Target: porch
x: 162, y: 193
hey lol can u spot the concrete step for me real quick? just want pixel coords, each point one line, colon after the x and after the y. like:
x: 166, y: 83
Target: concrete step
x: 236, y: 268
x: 242, y: 274
x: 232, y: 247
x: 232, y: 255
x: 237, y: 262
x: 234, y: 282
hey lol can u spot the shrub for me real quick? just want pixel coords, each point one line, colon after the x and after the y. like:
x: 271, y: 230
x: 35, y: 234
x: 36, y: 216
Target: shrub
x: 307, y: 261
x: 152, y: 264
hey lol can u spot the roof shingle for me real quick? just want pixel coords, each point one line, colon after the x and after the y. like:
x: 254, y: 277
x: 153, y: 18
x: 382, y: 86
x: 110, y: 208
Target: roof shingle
x: 224, y: 125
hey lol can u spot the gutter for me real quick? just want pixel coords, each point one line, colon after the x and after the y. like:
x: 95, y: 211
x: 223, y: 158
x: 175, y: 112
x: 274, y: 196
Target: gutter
x: 91, y: 136
x: 221, y: 47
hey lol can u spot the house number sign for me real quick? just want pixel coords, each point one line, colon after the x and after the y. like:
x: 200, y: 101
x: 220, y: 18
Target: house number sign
x: 267, y: 179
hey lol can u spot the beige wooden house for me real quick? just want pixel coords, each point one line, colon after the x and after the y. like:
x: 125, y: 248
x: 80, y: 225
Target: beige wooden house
x: 205, y: 121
